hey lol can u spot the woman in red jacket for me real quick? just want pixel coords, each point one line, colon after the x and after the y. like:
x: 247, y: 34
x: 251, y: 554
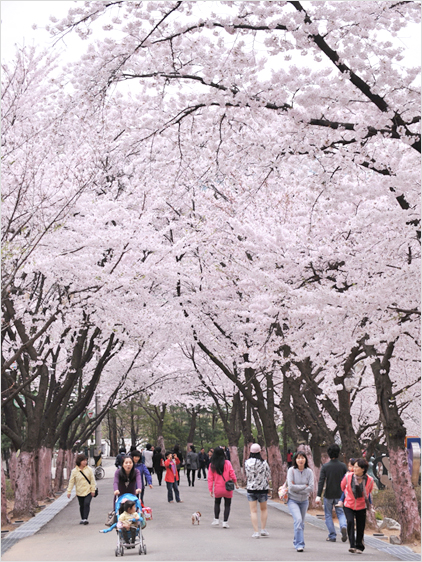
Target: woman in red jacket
x: 172, y: 477
x: 357, y: 485
x: 220, y: 471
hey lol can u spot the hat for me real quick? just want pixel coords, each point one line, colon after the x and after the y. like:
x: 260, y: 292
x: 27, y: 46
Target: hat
x: 256, y: 448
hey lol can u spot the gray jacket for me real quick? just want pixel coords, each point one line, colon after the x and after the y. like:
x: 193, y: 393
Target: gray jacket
x: 303, y: 483
x: 192, y: 460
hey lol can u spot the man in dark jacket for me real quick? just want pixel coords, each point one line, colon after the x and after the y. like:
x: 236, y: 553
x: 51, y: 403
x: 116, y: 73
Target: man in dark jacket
x: 202, y: 459
x: 331, y: 475
x: 119, y: 459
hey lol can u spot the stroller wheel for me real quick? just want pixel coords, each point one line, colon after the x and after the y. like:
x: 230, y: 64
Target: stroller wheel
x: 145, y: 548
x: 140, y: 550
x: 116, y: 552
x: 122, y: 551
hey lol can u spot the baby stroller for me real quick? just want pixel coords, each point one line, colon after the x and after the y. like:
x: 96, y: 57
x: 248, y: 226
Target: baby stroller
x: 139, y: 540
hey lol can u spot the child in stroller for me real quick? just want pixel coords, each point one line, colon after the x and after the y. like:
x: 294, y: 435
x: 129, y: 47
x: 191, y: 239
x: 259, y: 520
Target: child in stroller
x: 130, y: 523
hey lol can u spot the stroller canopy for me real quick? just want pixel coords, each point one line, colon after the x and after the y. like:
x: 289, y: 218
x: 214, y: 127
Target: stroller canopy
x: 124, y: 497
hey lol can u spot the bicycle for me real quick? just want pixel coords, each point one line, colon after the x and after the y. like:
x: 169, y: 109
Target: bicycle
x: 99, y: 471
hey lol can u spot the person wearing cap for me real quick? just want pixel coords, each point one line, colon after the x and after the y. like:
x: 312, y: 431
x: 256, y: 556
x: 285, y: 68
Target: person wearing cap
x: 258, y: 475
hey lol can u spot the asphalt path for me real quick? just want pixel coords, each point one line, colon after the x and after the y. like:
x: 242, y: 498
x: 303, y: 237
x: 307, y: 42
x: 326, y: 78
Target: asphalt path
x: 171, y: 535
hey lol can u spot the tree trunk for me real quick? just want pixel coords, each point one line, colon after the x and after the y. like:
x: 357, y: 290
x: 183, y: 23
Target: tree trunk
x: 43, y: 482
x: 59, y: 476
x: 407, y: 503
x: 395, y: 433
x: 192, y: 428
x: 234, y: 459
x: 70, y: 462
x: 13, y: 467
x: 160, y: 443
x: 24, y: 485
x: 278, y: 472
x: 4, y: 518
x: 112, y: 433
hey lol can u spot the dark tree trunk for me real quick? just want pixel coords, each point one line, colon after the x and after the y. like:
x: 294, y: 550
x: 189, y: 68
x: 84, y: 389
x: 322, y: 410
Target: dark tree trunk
x: 112, y: 433
x: 395, y: 432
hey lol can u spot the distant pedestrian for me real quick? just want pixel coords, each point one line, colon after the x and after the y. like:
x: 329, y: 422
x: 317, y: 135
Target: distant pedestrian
x: 158, y: 464
x: 220, y: 472
x: 202, y: 460
x: 357, y: 487
x: 82, y: 477
x: 176, y: 449
x: 331, y: 475
x: 289, y: 458
x: 192, y: 465
x: 172, y: 477
x: 119, y: 459
x: 148, y: 453
x: 209, y: 457
x: 144, y: 472
x: 300, y: 481
x: 258, y: 475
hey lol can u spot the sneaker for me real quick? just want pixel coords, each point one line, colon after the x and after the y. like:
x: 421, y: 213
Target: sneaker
x: 86, y: 522
x: 264, y: 533
x: 216, y: 522
x: 352, y: 549
x: 225, y: 525
x: 300, y: 549
x: 343, y: 534
x: 359, y: 551
x: 82, y: 522
x: 330, y: 540
x: 255, y: 536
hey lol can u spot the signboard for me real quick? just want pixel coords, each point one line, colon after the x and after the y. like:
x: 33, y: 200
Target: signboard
x: 90, y: 414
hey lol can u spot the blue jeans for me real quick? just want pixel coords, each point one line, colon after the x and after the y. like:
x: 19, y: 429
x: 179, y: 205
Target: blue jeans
x: 328, y: 510
x: 298, y: 511
x: 170, y: 487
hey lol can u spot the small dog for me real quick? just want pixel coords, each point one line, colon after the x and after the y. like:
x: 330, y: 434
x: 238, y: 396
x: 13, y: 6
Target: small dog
x: 196, y: 517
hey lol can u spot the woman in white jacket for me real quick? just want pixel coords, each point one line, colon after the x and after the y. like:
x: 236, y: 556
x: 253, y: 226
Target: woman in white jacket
x: 258, y: 476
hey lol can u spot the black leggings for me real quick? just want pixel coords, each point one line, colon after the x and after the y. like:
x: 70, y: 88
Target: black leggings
x: 84, y: 505
x: 217, y: 505
x: 190, y: 473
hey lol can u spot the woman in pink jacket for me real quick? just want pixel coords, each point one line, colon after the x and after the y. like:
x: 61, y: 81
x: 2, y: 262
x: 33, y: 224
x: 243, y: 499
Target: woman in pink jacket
x: 220, y: 471
x: 357, y: 485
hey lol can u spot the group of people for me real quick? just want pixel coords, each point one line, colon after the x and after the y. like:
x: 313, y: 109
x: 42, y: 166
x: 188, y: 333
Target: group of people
x: 347, y: 490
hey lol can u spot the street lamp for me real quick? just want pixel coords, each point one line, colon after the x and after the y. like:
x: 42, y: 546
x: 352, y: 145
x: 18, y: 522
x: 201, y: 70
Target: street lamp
x: 98, y: 432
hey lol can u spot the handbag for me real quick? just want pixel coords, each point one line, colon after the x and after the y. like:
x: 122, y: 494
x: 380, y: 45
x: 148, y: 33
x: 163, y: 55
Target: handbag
x: 89, y: 482
x: 111, y: 518
x: 229, y: 484
x: 283, y: 492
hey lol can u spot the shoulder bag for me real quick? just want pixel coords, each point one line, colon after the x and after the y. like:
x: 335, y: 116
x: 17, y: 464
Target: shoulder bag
x: 89, y: 482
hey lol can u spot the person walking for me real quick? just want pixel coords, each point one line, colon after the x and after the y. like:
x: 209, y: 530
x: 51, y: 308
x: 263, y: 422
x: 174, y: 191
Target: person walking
x: 258, y: 475
x: 158, y: 464
x: 357, y: 487
x: 119, y: 459
x: 82, y: 477
x: 143, y: 471
x: 172, y: 476
x: 331, y: 475
x: 300, y: 482
x: 127, y: 479
x: 192, y: 465
x: 178, y: 452
x: 219, y: 473
x: 202, y: 460
x: 148, y: 453
x: 289, y: 458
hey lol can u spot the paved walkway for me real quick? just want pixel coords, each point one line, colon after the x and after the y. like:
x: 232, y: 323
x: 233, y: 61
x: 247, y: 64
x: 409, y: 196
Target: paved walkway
x: 55, y: 534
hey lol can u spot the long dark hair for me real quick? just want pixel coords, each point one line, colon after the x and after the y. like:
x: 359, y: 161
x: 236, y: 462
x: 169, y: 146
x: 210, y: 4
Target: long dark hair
x: 297, y: 454
x: 217, y: 460
x: 256, y: 456
x: 122, y: 472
